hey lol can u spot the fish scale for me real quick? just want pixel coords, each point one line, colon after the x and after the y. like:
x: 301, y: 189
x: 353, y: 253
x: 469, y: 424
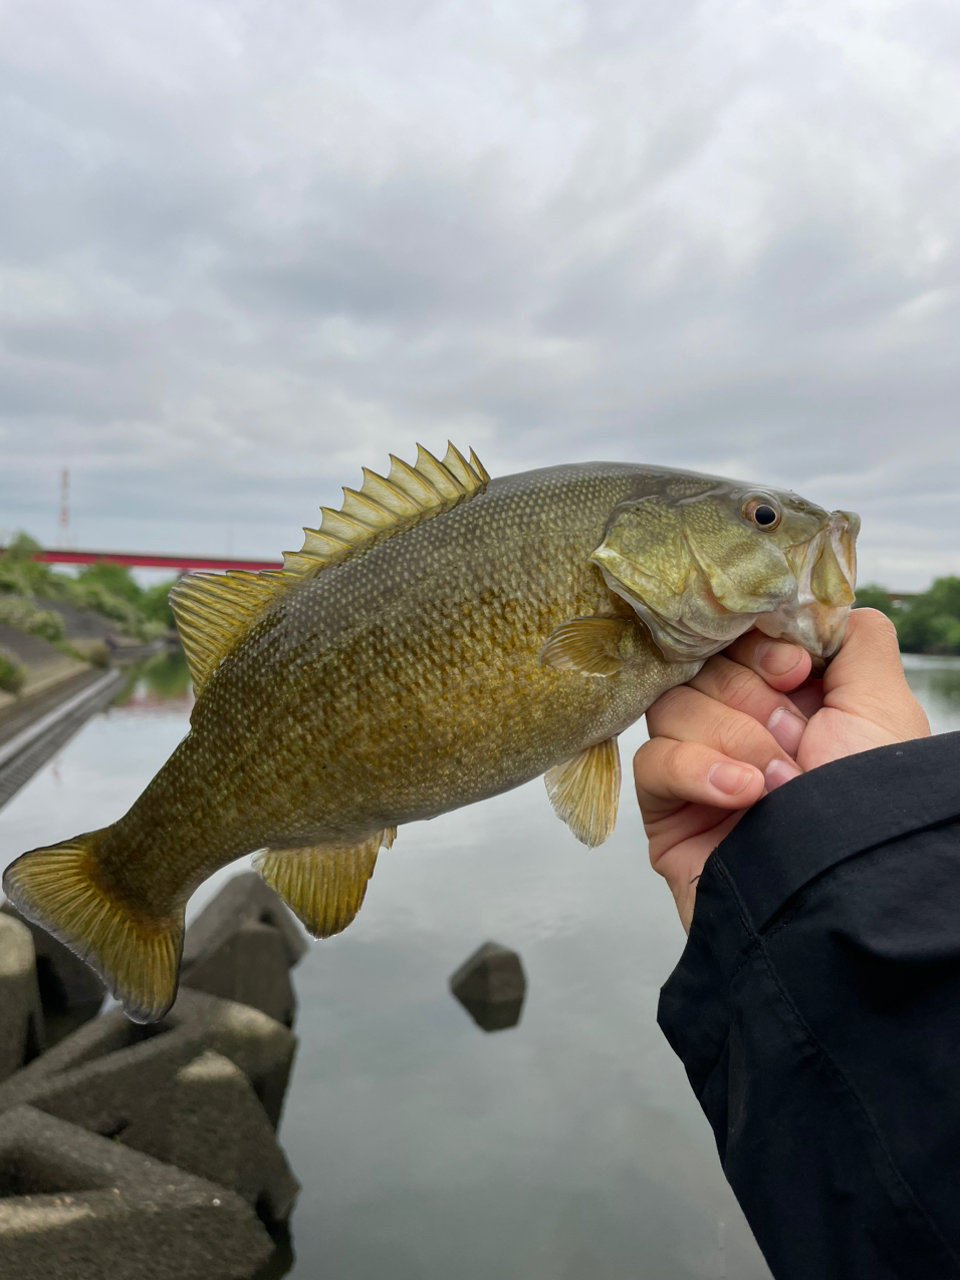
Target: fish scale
x: 443, y: 638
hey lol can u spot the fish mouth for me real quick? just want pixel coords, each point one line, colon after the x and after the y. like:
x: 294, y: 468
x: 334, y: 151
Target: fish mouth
x: 825, y: 568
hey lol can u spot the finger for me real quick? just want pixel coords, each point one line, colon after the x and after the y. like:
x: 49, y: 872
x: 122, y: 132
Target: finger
x: 668, y: 774
x: 682, y: 864
x: 740, y: 688
x: 866, y: 677
x: 783, y: 666
x: 808, y: 698
x: 688, y: 715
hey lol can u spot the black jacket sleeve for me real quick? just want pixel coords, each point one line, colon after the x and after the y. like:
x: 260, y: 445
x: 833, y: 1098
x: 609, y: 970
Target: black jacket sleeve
x: 816, y: 1009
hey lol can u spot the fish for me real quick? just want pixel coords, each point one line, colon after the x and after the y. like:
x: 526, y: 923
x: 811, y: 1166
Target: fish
x: 441, y: 638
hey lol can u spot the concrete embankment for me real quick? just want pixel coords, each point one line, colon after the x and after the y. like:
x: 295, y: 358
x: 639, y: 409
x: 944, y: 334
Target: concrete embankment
x: 150, y: 1152
x: 36, y: 726
x: 43, y: 665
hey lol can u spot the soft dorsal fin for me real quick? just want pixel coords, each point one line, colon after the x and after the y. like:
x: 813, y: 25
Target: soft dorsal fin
x: 213, y: 611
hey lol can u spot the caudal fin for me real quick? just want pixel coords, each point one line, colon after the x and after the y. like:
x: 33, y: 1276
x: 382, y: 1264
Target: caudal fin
x: 136, y: 955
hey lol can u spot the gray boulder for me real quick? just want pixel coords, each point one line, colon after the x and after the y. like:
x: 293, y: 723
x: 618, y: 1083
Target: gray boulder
x: 241, y: 946
x: 209, y: 1121
x: 248, y: 965
x: 105, y: 1074
x: 70, y: 991
x: 491, y: 986
x: 75, y: 1205
x: 21, y: 1017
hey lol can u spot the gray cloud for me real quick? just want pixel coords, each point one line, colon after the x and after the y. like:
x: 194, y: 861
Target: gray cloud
x: 243, y: 251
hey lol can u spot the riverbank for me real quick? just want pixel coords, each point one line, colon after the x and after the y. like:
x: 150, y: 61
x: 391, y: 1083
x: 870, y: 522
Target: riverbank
x: 35, y: 729
x: 60, y: 692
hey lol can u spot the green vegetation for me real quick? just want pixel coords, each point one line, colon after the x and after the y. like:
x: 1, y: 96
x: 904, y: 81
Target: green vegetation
x: 165, y: 675
x: 107, y: 589
x: 24, y: 615
x: 11, y: 675
x: 928, y: 622
x: 870, y: 596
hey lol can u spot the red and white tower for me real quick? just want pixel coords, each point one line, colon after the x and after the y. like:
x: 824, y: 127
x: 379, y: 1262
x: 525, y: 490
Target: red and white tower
x: 63, y: 534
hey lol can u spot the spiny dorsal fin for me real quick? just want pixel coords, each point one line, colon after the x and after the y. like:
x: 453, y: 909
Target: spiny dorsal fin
x: 382, y: 507
x: 213, y: 612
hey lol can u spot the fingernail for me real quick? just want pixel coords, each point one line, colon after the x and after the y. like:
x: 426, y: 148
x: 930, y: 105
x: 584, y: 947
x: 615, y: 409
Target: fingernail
x: 778, y: 772
x: 729, y: 778
x: 786, y: 728
x: 777, y: 658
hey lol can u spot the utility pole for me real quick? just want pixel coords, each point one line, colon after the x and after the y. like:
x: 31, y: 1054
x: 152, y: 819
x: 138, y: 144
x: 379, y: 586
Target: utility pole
x: 63, y: 539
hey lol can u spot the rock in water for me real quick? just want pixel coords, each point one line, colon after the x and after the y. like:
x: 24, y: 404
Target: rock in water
x: 491, y: 986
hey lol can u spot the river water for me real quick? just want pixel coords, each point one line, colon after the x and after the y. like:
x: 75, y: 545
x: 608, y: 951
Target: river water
x: 569, y: 1145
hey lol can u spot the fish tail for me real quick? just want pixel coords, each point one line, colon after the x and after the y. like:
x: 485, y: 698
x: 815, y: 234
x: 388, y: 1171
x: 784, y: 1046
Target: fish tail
x: 137, y: 955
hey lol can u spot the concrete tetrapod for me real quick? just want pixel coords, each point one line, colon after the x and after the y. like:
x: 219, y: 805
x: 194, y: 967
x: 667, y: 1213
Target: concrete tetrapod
x: 491, y: 986
x: 241, y: 947
x: 70, y: 992
x: 76, y: 1206
x: 106, y: 1073
x: 21, y: 1017
x: 209, y: 1121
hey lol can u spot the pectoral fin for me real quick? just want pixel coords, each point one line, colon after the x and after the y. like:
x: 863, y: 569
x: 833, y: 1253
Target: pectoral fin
x: 324, y: 885
x: 587, y: 645
x: 585, y: 791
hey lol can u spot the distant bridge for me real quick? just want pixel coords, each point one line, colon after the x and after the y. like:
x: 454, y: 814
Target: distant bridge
x: 152, y: 560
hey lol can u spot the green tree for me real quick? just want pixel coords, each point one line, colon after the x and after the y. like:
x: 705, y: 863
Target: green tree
x: 155, y: 605
x: 872, y: 596
x: 20, y: 573
x: 113, y: 578
x: 107, y: 589
x: 930, y: 623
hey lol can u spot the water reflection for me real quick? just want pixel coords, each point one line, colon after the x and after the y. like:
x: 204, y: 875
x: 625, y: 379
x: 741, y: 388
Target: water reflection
x: 936, y: 682
x: 945, y: 685
x: 500, y: 1016
x: 160, y: 680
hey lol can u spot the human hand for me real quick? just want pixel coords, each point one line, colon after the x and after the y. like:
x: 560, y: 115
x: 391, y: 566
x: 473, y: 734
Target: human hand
x: 732, y: 734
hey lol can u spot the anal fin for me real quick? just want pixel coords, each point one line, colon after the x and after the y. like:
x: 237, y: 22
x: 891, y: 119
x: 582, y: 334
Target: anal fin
x: 585, y: 791
x: 324, y: 885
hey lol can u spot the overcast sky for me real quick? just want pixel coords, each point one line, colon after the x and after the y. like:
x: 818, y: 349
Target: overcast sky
x: 247, y: 247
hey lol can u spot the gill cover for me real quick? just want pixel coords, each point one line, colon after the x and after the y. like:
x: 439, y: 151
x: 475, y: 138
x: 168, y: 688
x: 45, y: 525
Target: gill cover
x: 699, y: 573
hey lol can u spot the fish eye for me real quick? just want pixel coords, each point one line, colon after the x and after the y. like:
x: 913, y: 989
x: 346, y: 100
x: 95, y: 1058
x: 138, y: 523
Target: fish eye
x: 762, y: 513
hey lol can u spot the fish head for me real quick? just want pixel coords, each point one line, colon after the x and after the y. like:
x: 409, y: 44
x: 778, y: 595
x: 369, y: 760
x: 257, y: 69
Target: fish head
x: 702, y: 560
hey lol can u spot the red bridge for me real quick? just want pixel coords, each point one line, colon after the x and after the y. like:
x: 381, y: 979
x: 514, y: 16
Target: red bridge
x: 153, y: 560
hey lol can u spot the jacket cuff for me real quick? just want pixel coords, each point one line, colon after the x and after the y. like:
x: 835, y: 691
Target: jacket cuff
x: 788, y: 839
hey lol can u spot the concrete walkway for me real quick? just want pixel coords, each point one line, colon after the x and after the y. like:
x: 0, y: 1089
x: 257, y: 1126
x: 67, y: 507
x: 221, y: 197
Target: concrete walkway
x: 34, y: 732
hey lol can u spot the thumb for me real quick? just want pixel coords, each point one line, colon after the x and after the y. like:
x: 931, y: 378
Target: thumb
x: 866, y: 678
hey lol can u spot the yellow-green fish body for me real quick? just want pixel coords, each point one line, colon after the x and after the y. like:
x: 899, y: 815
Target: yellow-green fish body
x: 425, y: 651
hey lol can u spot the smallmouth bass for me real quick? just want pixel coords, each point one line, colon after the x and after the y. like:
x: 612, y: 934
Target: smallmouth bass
x: 442, y: 638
